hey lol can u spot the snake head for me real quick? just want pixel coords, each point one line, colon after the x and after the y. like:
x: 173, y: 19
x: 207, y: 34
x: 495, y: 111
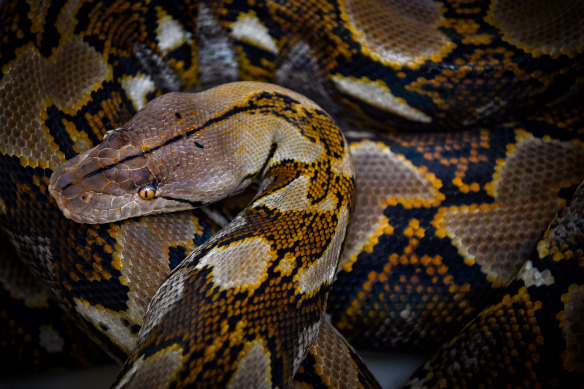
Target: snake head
x: 160, y: 161
x: 99, y: 185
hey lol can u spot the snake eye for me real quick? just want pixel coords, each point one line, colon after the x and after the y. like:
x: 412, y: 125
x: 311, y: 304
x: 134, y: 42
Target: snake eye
x: 147, y: 192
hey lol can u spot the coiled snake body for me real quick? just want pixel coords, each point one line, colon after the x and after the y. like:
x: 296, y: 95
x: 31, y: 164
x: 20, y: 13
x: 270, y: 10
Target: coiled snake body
x: 464, y: 126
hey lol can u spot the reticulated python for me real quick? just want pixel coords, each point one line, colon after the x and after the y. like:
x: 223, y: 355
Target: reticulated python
x: 472, y: 145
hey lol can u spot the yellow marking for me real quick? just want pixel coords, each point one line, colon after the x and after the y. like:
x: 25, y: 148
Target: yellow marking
x: 251, y: 72
x: 477, y: 39
x: 237, y: 335
x: 37, y: 15
x: 81, y: 141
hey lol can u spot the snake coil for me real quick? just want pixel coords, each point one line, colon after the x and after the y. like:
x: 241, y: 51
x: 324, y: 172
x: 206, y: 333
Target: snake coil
x: 464, y: 125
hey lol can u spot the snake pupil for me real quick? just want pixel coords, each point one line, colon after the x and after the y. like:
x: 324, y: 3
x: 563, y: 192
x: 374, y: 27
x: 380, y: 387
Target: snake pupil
x: 147, y: 193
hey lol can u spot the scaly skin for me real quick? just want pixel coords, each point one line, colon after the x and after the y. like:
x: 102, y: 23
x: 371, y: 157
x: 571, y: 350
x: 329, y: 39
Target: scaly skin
x: 269, y: 271
x: 445, y: 226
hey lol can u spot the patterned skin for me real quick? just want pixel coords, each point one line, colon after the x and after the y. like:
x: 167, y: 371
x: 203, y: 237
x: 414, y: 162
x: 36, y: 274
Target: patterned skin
x: 446, y: 224
x: 268, y: 271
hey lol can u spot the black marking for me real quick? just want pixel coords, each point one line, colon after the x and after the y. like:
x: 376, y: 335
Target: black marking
x: 51, y: 37
x: 195, y: 204
x: 55, y: 122
x: 102, y: 169
x: 176, y: 256
x: 568, y: 192
x: 177, y: 115
x: 199, y: 145
x: 232, y: 112
x: 273, y: 149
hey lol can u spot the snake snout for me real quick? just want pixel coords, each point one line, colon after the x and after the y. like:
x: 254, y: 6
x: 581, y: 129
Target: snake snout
x: 70, y: 197
x: 74, y: 184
